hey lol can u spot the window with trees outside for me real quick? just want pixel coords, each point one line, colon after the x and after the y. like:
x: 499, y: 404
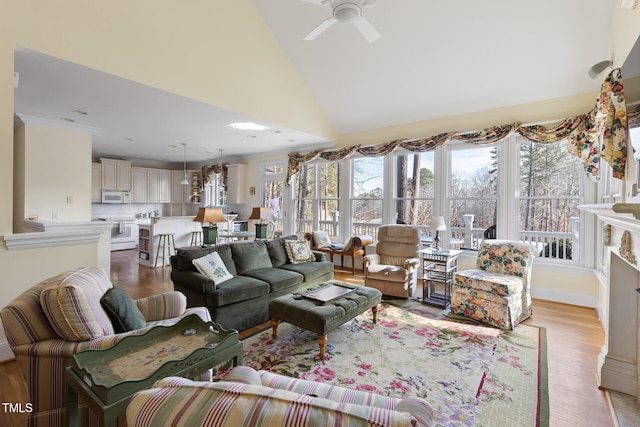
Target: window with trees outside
x: 473, y: 189
x: 414, y: 197
x: 549, y: 197
x: 367, y: 195
x: 317, y: 198
x: 273, y: 176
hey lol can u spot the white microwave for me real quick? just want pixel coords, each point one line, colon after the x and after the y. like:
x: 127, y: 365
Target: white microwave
x: 113, y: 196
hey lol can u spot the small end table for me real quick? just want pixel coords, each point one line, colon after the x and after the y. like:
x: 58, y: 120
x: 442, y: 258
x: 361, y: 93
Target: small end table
x: 438, y: 266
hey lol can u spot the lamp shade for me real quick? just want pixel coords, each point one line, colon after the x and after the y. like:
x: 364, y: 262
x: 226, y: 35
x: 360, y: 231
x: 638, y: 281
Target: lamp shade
x: 260, y: 213
x: 437, y: 224
x: 209, y: 215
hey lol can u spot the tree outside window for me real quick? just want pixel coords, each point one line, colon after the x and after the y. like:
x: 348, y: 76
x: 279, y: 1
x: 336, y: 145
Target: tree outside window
x: 367, y: 195
x: 549, y: 197
x: 317, y: 198
x: 473, y: 191
x: 414, y: 197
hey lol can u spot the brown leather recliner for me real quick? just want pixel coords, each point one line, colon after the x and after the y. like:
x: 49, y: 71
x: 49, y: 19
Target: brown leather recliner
x: 393, y: 269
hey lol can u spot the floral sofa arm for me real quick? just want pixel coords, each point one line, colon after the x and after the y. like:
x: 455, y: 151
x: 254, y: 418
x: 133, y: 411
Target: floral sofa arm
x: 162, y: 306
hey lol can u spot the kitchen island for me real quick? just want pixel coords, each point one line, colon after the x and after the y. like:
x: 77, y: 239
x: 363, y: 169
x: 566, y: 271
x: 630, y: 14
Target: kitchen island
x: 181, y: 228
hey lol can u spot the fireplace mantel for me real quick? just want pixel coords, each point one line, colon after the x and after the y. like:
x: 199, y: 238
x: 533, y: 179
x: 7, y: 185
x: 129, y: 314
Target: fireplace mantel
x: 624, y: 215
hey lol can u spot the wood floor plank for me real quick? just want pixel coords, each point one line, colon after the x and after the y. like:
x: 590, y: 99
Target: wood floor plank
x: 574, y: 338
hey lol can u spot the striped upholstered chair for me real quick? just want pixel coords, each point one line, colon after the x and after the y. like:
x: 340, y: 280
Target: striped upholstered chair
x: 51, y: 321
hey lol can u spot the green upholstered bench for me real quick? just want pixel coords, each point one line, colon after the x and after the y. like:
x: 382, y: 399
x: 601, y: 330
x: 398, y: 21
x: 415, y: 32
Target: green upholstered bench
x: 323, y: 317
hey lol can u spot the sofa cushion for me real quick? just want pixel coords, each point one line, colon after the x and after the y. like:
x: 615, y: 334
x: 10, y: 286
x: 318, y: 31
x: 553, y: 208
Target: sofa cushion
x: 310, y: 270
x: 185, y: 257
x: 233, y: 404
x: 277, y: 278
x: 73, y: 308
x: 298, y: 251
x: 277, y: 251
x: 211, y: 265
x: 240, y: 288
x: 122, y: 310
x: 250, y: 256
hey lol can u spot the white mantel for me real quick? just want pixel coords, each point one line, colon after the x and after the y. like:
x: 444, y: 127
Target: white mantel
x: 619, y: 243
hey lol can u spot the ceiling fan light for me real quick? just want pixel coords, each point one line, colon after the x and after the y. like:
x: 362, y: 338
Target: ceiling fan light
x: 347, y: 12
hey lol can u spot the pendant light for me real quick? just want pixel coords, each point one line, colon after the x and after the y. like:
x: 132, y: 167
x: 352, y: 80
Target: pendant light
x: 185, y: 178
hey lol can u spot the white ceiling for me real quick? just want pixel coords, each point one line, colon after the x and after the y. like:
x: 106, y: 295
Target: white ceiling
x: 434, y: 59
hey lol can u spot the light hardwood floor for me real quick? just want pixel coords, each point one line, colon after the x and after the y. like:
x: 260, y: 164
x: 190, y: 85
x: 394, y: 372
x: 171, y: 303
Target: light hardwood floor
x: 574, y: 338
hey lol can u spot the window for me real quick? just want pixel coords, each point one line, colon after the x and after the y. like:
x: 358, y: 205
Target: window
x: 317, y: 198
x: 414, y: 197
x: 215, y: 194
x: 367, y: 195
x: 273, y: 176
x: 549, y: 196
x: 473, y: 189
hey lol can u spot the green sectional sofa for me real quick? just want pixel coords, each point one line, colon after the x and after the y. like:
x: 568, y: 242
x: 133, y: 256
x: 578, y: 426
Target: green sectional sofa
x: 261, y: 272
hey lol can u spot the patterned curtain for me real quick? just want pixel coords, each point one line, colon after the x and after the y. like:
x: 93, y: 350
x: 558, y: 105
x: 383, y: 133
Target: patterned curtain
x: 607, y: 122
x: 208, y: 171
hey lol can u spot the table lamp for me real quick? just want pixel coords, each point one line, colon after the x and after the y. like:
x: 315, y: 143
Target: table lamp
x: 437, y: 225
x: 209, y: 232
x: 261, y: 214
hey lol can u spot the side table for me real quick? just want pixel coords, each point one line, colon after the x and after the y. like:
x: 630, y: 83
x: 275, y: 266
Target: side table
x: 106, y: 379
x: 438, y: 266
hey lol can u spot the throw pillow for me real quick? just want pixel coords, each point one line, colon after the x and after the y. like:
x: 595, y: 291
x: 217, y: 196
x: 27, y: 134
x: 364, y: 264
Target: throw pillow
x: 298, y: 251
x: 212, y: 266
x: 71, y: 302
x: 122, y: 310
x: 321, y: 239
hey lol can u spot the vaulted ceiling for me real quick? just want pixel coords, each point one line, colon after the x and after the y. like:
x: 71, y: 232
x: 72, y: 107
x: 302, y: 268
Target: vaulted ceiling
x: 434, y: 59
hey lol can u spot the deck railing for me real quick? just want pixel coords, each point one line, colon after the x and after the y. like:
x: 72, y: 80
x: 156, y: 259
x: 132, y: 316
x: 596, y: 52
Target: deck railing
x: 550, y: 245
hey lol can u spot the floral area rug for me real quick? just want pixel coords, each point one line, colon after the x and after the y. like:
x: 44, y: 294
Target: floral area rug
x: 471, y: 375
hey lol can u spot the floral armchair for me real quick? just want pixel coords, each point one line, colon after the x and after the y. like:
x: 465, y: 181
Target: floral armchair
x: 497, y: 291
x: 60, y: 316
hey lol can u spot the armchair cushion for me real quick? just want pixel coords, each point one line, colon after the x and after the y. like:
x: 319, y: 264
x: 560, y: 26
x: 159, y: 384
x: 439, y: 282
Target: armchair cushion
x: 167, y: 305
x: 122, y: 310
x: 321, y: 239
x: 500, y: 284
x: 72, y: 305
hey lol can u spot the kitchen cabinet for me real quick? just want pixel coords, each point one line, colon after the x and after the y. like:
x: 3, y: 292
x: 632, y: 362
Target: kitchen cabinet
x: 237, y: 184
x: 153, y: 185
x: 165, y: 186
x: 96, y: 182
x: 184, y: 193
x: 116, y: 174
x: 139, y: 185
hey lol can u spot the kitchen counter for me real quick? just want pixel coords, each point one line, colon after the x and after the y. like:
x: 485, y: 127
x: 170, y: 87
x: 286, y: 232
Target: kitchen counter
x: 180, y: 226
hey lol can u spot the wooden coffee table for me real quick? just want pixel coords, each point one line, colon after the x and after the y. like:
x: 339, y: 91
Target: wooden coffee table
x: 106, y: 379
x: 323, y: 317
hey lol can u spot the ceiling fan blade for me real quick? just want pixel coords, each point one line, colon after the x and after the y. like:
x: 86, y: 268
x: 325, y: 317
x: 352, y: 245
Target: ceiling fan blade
x: 367, y: 30
x: 316, y: 2
x: 321, y: 28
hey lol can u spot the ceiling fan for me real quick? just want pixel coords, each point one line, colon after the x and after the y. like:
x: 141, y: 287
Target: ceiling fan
x: 346, y: 11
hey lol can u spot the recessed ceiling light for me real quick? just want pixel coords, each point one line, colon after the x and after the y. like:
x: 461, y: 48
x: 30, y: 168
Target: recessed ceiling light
x: 247, y: 126
x: 83, y: 113
x: 251, y: 136
x: 172, y: 146
x: 128, y: 139
x: 275, y: 131
x: 67, y: 119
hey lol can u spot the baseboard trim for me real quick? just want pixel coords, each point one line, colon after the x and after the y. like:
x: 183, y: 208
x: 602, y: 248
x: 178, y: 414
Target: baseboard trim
x: 565, y: 297
x: 5, y: 352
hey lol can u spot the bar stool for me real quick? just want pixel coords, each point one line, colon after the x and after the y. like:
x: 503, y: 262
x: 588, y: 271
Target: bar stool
x: 196, y: 238
x: 164, y: 246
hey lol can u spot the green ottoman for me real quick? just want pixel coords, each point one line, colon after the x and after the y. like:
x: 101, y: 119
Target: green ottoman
x: 323, y: 317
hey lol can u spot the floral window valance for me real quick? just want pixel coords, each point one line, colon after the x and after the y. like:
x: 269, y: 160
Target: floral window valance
x: 208, y: 171
x: 607, y: 119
